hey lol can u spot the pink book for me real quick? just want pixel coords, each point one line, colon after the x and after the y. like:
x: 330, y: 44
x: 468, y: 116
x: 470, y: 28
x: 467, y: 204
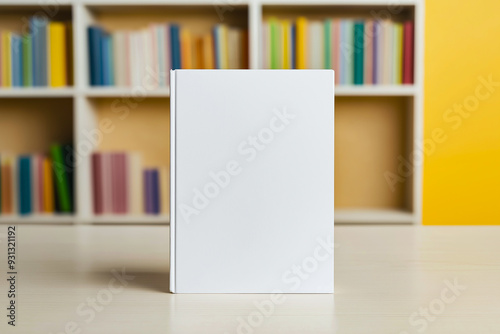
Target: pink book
x: 368, y: 56
x: 115, y: 180
x: 126, y: 183
x: 408, y: 50
x: 336, y: 49
x: 107, y: 183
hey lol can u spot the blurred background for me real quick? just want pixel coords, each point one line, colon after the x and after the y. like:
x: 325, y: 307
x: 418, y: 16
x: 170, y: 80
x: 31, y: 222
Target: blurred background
x: 84, y: 101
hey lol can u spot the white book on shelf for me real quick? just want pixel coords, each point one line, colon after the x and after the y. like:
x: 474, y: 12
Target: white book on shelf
x: 252, y: 181
x: 135, y: 181
x: 388, y: 53
x: 316, y: 44
x: 119, y: 57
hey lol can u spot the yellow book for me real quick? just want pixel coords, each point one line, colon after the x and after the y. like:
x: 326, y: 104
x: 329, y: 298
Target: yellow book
x: 6, y: 61
x: 57, y: 54
x: 285, y: 26
x: 208, y: 52
x: 301, y: 51
x: 48, y: 187
x: 186, y: 49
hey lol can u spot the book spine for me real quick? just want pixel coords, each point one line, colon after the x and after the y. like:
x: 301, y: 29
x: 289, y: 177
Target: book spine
x: 155, y: 191
x: 57, y: 54
x: 327, y: 41
x: 48, y: 186
x: 95, y: 55
x: 27, y: 61
x: 97, y: 183
x: 408, y: 53
x: 16, y: 57
x: 301, y: 50
x: 24, y: 182
x: 359, y: 35
x: 61, y: 178
x: 175, y: 47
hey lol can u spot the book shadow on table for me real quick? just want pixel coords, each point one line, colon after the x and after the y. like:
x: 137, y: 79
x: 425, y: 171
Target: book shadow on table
x: 129, y: 279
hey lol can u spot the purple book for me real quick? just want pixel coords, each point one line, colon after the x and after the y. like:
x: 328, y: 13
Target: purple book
x: 148, y: 198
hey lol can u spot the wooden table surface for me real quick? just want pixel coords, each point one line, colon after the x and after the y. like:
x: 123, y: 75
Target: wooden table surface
x: 388, y: 279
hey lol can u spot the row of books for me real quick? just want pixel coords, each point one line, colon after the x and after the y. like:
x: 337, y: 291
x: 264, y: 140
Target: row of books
x: 41, y: 57
x: 361, y: 52
x: 144, y: 57
x: 37, y: 183
x: 120, y: 185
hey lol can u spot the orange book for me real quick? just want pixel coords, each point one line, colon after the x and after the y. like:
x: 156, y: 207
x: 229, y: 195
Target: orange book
x: 186, y: 50
x: 48, y: 187
x: 301, y: 52
x: 199, y: 53
x: 208, y: 52
x: 6, y: 187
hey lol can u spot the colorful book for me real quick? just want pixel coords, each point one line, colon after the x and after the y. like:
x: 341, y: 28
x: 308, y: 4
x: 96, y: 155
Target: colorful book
x: 61, y: 178
x: 16, y: 57
x: 368, y: 53
x: 24, y: 185
x: 359, y: 43
x: 27, y: 61
x: 38, y: 29
x: 327, y: 42
x: 48, y: 186
x: 398, y: 53
x: 302, y: 47
x: 186, y: 49
x: 408, y: 50
x: 97, y: 183
x: 57, y: 54
x: 175, y: 46
x: 155, y: 191
x: 315, y: 50
x: 95, y: 55
x: 6, y: 60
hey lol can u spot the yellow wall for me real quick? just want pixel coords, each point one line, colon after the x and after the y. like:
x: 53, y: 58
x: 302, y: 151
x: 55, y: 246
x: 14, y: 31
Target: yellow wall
x: 462, y: 174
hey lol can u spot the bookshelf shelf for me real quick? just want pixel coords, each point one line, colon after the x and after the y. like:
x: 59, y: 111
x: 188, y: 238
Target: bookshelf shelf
x: 374, y: 124
x: 345, y: 216
x: 37, y: 92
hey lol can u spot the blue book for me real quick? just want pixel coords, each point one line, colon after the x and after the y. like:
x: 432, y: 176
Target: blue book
x: 155, y: 191
x: 293, y: 46
x: 359, y: 44
x: 95, y: 55
x: 38, y: 29
x: 175, y: 47
x: 105, y: 59
x: 16, y: 56
x: 24, y: 183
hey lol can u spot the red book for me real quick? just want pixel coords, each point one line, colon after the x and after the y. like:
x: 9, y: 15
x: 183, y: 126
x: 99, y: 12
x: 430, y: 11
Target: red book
x: 408, y: 50
x: 97, y: 183
x: 115, y: 180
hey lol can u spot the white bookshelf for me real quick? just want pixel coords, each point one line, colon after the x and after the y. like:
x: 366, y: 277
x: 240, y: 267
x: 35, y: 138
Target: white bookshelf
x: 85, y: 98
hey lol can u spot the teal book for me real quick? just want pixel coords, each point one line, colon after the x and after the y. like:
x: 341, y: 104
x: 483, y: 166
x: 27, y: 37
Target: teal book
x: 328, y: 44
x: 61, y: 178
x: 359, y: 44
x: 24, y: 184
x: 27, y: 62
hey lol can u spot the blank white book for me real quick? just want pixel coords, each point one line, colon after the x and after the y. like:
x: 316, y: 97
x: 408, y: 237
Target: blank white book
x: 252, y: 181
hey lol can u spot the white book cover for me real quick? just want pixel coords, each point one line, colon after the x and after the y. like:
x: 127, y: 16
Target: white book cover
x: 252, y: 181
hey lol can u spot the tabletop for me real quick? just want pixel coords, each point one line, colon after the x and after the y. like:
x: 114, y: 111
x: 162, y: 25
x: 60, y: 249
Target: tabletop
x: 388, y: 279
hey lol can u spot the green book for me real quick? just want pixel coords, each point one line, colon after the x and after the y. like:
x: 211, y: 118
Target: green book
x: 359, y: 44
x: 60, y: 178
x: 274, y: 44
x: 328, y: 44
x: 27, y: 61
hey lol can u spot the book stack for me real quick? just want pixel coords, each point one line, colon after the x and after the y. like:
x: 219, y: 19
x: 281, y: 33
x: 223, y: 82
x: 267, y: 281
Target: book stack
x: 145, y: 57
x: 120, y: 185
x: 362, y: 52
x: 37, y: 183
x: 41, y: 57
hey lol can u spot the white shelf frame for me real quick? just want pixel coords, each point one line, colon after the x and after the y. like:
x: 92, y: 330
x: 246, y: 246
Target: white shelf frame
x: 82, y: 95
